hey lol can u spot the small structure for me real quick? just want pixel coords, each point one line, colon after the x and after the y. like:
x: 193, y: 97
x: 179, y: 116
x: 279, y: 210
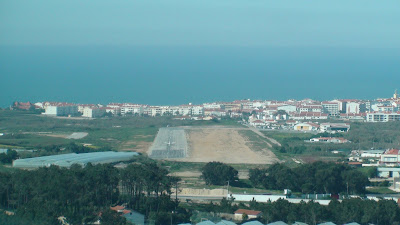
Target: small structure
x: 388, y: 172
x: 252, y: 214
x: 130, y: 215
x: 306, y: 127
x: 335, y: 140
x: 334, y: 127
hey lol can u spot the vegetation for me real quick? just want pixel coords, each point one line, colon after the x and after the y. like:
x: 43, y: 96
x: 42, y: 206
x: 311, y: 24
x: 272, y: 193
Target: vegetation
x: 80, y: 194
x: 317, y: 177
x: 8, y: 157
x: 25, y: 129
x: 361, y: 136
x: 218, y: 173
x: 385, y: 212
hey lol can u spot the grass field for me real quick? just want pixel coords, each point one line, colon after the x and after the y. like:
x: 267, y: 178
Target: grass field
x: 130, y: 132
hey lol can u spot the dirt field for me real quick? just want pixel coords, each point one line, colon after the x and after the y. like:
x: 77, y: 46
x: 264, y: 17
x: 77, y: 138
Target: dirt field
x: 224, y: 145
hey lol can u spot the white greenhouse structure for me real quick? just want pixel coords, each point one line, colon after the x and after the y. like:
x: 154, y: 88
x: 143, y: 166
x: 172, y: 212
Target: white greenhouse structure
x: 66, y: 160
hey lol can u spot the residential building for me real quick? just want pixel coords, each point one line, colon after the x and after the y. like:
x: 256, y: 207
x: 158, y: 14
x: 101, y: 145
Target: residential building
x: 309, y: 116
x: 23, y: 105
x: 60, y: 109
x: 383, y: 116
x: 334, y: 127
x: 353, y: 107
x: 93, y: 112
x: 287, y: 108
x: 251, y: 214
x: 388, y: 172
x: 390, y: 157
x: 332, y: 108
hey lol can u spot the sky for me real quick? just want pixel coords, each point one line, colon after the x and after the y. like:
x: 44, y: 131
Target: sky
x: 319, y: 23
x: 180, y: 51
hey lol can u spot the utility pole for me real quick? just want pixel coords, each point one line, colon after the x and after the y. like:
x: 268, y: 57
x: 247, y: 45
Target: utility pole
x: 228, y: 187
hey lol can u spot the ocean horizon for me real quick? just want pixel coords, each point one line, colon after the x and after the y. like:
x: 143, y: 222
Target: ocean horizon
x: 179, y: 75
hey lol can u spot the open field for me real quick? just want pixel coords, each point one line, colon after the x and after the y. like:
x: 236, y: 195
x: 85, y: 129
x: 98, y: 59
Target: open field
x: 225, y: 145
x: 130, y: 133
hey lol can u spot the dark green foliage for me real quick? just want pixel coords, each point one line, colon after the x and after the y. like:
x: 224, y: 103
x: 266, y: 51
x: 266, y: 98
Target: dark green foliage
x: 318, y: 177
x: 110, y: 217
x: 80, y: 194
x: 358, y: 210
x: 218, y: 173
x: 8, y: 157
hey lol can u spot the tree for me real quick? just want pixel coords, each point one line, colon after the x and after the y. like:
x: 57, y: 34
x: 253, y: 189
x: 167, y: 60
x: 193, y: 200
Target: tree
x: 257, y: 176
x: 245, y: 217
x: 218, y: 173
x: 111, y: 217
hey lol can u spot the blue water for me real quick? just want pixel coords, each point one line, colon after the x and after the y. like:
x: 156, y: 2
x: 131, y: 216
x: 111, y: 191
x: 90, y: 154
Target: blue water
x: 168, y: 75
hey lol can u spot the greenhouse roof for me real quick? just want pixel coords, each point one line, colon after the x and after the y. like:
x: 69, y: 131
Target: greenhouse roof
x: 66, y: 160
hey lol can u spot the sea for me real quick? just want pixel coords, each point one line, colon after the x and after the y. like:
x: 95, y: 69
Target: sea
x: 173, y: 75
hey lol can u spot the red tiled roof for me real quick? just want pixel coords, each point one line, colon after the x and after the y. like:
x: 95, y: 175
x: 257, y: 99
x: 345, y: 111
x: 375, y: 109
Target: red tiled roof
x: 248, y: 212
x: 126, y: 211
x: 392, y: 152
x: 117, y: 207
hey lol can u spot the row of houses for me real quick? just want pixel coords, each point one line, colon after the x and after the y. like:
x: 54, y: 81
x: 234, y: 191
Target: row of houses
x: 380, y: 110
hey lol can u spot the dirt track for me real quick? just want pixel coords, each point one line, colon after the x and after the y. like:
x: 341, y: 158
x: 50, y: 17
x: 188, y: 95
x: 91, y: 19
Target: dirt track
x: 224, y: 145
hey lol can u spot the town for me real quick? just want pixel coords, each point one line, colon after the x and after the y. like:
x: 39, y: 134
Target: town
x: 266, y: 114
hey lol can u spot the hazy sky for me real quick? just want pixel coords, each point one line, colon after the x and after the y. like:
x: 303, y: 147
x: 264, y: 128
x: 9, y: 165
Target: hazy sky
x: 345, y: 23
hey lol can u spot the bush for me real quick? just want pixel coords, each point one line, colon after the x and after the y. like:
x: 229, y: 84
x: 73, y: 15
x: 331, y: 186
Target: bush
x: 218, y: 173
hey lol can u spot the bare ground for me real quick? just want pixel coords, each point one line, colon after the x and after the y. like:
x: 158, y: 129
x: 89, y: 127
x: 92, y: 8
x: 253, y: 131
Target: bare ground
x: 140, y: 146
x: 224, y: 145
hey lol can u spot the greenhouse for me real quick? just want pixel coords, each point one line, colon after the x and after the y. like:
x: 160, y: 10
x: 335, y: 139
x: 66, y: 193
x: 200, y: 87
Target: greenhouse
x: 66, y: 160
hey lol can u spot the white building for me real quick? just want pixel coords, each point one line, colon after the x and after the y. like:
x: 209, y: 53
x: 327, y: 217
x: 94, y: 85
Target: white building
x: 61, y: 110
x: 390, y: 157
x: 372, y: 153
x: 197, y: 110
x: 332, y: 108
x: 383, y: 116
x: 335, y: 140
x: 93, y: 112
x: 353, y: 107
x: 288, y: 108
x: 306, y: 127
x: 388, y: 172
x: 134, y: 109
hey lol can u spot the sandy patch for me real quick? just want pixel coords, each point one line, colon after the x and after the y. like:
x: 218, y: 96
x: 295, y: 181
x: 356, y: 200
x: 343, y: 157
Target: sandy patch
x: 223, y: 145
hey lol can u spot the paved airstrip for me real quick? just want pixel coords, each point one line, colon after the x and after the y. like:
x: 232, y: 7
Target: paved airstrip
x: 170, y: 143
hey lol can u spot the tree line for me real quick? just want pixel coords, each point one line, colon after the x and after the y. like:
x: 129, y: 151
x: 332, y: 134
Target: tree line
x: 81, y: 194
x: 319, y: 177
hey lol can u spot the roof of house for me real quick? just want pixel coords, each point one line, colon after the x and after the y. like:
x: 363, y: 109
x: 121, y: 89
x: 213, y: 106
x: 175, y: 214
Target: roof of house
x: 392, y: 152
x: 248, y: 212
x: 117, y: 207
